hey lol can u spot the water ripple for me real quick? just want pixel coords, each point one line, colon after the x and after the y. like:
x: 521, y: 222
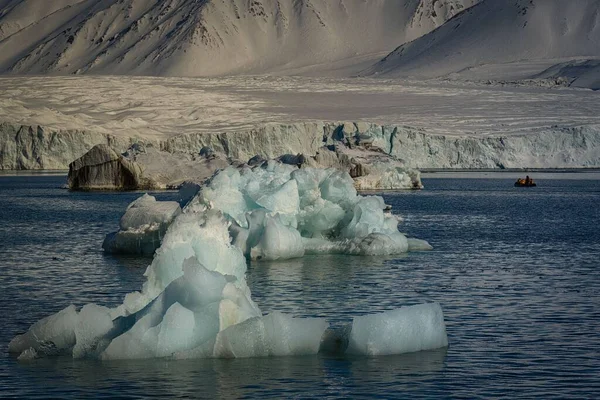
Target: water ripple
x: 516, y: 272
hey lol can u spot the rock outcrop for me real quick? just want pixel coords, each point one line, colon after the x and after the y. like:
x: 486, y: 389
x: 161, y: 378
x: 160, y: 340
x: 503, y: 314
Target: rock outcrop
x: 102, y: 168
x: 140, y: 168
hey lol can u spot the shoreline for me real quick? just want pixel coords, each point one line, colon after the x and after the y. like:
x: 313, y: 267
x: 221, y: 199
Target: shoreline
x: 541, y: 173
x: 535, y: 173
x: 33, y: 172
x: 511, y: 170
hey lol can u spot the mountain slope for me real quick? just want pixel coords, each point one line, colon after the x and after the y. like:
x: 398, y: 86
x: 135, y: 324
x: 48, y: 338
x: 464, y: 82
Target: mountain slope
x: 206, y: 37
x: 500, y: 32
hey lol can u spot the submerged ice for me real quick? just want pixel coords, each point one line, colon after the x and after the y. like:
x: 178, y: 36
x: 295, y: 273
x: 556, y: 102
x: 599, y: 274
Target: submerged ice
x: 195, y: 302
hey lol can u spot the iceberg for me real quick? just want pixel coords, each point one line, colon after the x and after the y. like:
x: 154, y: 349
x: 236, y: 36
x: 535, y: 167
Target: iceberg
x: 278, y: 211
x: 405, y: 330
x: 195, y: 302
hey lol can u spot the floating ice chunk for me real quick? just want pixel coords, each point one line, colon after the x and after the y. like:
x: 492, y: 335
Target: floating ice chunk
x: 197, y: 287
x: 276, y: 334
x: 383, y: 177
x: 142, y: 227
x: 404, y: 330
x: 324, y: 246
x: 161, y: 333
x: 177, y: 331
x: 65, y: 331
x: 379, y: 244
x: 374, y: 244
x: 223, y: 192
x: 309, y: 179
x: 138, y: 342
x: 418, y: 244
x: 202, y: 237
x: 50, y: 335
x: 146, y: 210
x: 134, y: 241
x: 246, y: 239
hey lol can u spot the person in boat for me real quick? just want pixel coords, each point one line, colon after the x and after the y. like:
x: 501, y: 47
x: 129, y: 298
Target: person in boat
x: 525, y: 182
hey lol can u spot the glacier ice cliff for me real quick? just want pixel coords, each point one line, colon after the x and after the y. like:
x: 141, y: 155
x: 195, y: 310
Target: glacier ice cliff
x: 24, y: 147
x: 195, y: 302
x: 35, y: 147
x: 140, y: 167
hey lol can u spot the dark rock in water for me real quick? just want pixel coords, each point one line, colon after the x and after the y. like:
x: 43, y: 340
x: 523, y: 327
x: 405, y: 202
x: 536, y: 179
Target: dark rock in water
x: 102, y: 168
x: 140, y: 168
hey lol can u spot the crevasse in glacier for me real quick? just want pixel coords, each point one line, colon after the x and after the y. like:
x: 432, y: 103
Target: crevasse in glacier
x: 195, y: 302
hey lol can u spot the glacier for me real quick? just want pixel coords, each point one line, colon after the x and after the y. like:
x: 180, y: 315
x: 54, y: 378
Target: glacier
x: 48, y: 122
x: 276, y: 211
x: 195, y: 302
x: 555, y: 146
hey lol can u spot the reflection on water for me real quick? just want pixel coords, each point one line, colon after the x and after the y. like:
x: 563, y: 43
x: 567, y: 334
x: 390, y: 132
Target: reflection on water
x: 516, y: 271
x: 332, y: 286
x: 229, y: 378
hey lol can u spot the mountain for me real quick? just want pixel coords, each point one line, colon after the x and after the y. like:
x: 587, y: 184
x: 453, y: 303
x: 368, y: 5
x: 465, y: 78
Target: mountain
x: 207, y: 37
x: 516, y: 39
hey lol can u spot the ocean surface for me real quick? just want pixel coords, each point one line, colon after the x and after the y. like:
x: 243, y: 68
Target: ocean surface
x: 516, y: 270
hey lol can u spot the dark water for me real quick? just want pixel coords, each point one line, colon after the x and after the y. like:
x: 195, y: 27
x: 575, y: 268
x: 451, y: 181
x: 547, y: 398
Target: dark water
x: 517, y: 272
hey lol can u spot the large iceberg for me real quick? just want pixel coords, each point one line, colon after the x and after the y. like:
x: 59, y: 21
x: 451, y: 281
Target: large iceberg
x: 279, y: 211
x: 195, y: 302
